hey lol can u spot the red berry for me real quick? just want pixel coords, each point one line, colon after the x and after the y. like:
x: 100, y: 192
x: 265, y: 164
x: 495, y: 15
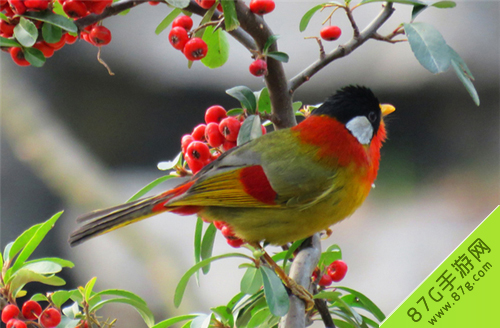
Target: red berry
x: 337, y: 270
x: 8, y: 11
x: 17, y: 55
x: 75, y: 8
x: 31, y: 310
x: 199, y: 132
x: 325, y: 280
x: 57, y: 45
x: 100, y: 36
x: 215, y: 155
x: 36, y: 4
x: 258, y: 67
x: 194, y: 164
x: 213, y: 135
x: 195, y: 49
x: 17, y: 6
x: 70, y: 39
x: 215, y: 114
x: 98, y: 6
x: 264, y: 131
x: 262, y: 7
x: 154, y: 3
x: 229, y: 128
x: 227, y: 231
x: 198, y: 150
x: 178, y: 37
x: 228, y: 145
x: 6, y: 28
x: 235, y: 242
x: 205, y: 4
x: 330, y: 33
x: 44, y: 48
x: 15, y: 323
x: 219, y: 224
x: 219, y: 7
x: 185, y: 142
x: 51, y: 317
x: 9, y: 312
x: 183, y: 21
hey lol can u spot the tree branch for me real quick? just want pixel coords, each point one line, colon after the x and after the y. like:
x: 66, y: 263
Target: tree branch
x: 112, y: 10
x: 302, y: 267
x: 281, y: 99
x: 344, y: 50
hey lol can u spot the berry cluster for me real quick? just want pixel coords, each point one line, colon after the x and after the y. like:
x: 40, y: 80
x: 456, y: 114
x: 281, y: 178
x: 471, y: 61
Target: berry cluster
x: 207, y: 142
x: 94, y: 34
x: 31, y: 312
x: 179, y: 37
x: 336, y: 271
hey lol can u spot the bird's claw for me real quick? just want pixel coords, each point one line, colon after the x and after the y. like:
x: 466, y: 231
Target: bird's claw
x: 301, y: 292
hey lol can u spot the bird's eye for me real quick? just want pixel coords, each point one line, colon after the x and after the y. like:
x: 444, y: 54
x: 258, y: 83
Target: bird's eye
x: 372, y: 117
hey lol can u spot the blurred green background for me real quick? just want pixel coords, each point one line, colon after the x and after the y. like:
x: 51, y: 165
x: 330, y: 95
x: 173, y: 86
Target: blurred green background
x: 75, y: 138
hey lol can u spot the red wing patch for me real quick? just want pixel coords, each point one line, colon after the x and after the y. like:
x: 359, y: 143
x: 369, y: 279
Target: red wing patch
x: 160, y: 207
x: 256, y: 184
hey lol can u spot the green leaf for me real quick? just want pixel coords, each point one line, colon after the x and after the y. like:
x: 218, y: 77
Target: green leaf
x: 225, y: 315
x: 276, y: 295
x: 16, y: 246
x: 34, y: 56
x: 143, y: 310
x: 169, y: 165
x: 296, y: 106
x: 4, y: 17
x: 24, y: 276
x: 149, y: 187
x: 88, y: 289
x: 218, y: 47
x: 43, y: 267
x: 235, y: 112
x: 198, y: 234
x: 272, y: 39
x: 230, y: 18
x: 47, y: 16
x: 120, y: 292
x: 344, y: 307
x: 259, y: 318
x: 368, y: 304
x: 296, y: 244
x: 71, y: 311
x: 235, y: 300
x: 51, y: 33
x: 327, y: 295
x: 250, y: 307
x: 264, y: 103
x: 61, y: 262
x: 60, y: 297
x: 181, y: 287
x: 331, y: 254
x: 341, y: 324
x: 245, y: 96
x: 251, y: 281
x: 39, y: 297
x: 205, y: 19
x: 58, y: 9
x: 26, y: 32
x: 167, y: 20
x: 250, y: 129
x: 207, y: 245
x: 462, y: 72
x: 304, y: 21
x: 178, y: 3
x: 172, y: 321
x: 370, y: 322
x: 406, y: 2
x: 279, y: 56
x: 125, y: 12
x: 4, y: 42
x: 34, y: 241
x: 444, y: 4
x: 429, y: 46
x: 417, y: 9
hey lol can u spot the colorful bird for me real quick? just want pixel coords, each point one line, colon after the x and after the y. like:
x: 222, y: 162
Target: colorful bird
x: 283, y: 186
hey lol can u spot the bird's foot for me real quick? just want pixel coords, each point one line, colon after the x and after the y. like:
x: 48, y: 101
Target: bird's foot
x: 300, y: 291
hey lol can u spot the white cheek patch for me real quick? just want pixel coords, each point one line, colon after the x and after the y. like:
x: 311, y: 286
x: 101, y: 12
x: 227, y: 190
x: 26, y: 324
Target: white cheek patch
x: 361, y: 128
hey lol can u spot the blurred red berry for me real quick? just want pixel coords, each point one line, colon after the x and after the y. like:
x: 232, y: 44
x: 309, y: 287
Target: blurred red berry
x: 194, y: 164
x: 215, y: 114
x: 215, y: 155
x: 229, y: 128
x: 213, y: 135
x: 227, y: 231
x: 31, y: 310
x: 199, y: 150
x: 262, y: 7
x: 325, y: 281
x: 228, y: 145
x: 219, y: 224
x: 199, y: 132
x: 98, y: 6
x: 205, y: 4
x: 16, y: 323
x: 195, y: 49
x: 70, y: 39
x: 44, y: 48
x: 337, y: 270
x: 17, y: 55
x: 183, y: 21
x: 51, y: 317
x: 17, y: 6
x: 264, y: 130
x: 6, y: 28
x: 258, y: 67
x: 10, y: 311
x: 75, y: 8
x: 330, y: 33
x: 100, y: 36
x: 185, y: 142
x: 36, y: 4
x: 57, y: 45
x: 154, y: 3
x: 178, y: 37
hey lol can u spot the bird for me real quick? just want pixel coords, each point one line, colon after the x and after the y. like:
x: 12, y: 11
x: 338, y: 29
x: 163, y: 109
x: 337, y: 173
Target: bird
x: 281, y: 187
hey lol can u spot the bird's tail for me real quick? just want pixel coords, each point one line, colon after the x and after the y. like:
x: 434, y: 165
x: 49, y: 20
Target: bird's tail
x: 102, y: 221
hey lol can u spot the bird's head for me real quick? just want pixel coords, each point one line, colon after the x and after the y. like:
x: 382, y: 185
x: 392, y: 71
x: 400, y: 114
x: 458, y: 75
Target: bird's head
x: 358, y: 109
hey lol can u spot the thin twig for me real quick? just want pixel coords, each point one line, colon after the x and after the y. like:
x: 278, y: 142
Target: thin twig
x: 112, y: 10
x: 342, y: 51
x: 322, y: 52
x: 387, y: 38
x: 355, y: 27
x: 103, y: 63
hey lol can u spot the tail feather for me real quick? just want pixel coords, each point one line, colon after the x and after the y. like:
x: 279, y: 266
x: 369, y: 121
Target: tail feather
x: 100, y: 213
